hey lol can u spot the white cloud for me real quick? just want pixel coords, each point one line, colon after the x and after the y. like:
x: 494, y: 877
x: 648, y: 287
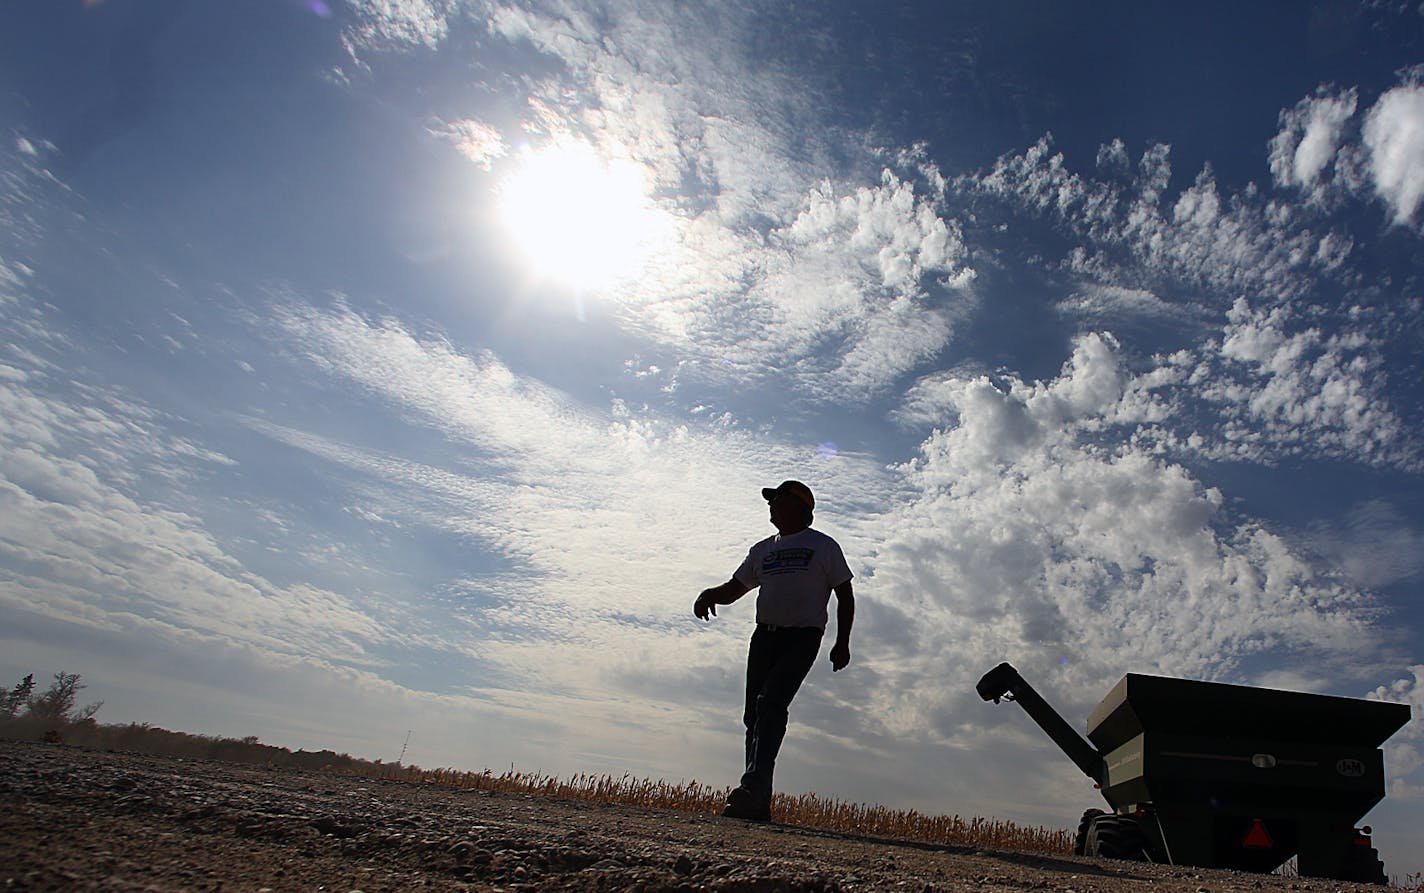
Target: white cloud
x: 1374, y: 545
x: 1270, y: 386
x: 1404, y: 753
x: 860, y: 286
x: 1322, y: 151
x: 671, y: 91
x: 1310, y: 135
x: 887, y: 226
x: 1304, y: 390
x: 1394, y: 136
x: 399, y: 24
x: 476, y: 140
x: 1131, y: 233
x: 1113, y: 305
x: 1113, y: 158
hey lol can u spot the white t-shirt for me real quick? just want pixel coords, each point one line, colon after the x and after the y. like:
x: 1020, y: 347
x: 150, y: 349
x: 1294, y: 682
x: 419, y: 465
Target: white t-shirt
x: 796, y: 574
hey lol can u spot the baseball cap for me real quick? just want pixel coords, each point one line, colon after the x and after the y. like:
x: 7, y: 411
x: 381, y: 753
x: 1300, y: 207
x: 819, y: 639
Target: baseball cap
x: 795, y: 488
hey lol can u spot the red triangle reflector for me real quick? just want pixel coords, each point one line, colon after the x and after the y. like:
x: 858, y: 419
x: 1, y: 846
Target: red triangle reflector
x: 1257, y: 837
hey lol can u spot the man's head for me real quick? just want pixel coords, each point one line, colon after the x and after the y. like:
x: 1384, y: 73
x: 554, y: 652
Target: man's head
x: 792, y: 505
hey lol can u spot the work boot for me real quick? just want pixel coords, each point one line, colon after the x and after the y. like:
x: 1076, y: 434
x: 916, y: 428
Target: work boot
x: 743, y: 804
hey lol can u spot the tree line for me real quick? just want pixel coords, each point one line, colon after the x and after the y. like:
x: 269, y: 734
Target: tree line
x: 54, y: 716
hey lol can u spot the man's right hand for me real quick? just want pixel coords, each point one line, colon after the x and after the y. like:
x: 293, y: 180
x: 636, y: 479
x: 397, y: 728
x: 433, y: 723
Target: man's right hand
x: 728, y: 592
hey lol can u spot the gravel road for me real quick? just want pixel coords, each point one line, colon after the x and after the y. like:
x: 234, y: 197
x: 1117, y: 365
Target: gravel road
x: 77, y: 820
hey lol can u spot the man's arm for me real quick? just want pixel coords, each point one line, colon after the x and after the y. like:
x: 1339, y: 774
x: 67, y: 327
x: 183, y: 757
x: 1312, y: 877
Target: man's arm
x: 725, y: 594
x: 845, y: 619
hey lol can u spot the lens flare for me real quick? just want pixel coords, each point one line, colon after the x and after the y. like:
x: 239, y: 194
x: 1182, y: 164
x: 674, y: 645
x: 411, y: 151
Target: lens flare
x: 315, y: 7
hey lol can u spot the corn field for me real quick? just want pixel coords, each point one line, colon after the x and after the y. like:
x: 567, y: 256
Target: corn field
x: 805, y: 810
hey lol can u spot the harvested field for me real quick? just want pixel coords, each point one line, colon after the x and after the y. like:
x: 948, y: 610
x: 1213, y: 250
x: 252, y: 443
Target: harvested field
x: 83, y: 820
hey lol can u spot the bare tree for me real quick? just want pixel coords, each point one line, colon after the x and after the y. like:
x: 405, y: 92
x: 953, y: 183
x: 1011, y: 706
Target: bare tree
x: 18, y: 697
x: 57, y: 704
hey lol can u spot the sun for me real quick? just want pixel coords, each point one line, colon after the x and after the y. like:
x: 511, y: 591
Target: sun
x: 581, y: 219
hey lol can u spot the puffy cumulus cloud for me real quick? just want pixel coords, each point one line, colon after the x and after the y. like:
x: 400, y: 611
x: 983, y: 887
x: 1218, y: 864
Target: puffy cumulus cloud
x: 1290, y: 389
x: 998, y: 422
x: 1012, y: 415
x: 1113, y: 158
x: 1394, y: 136
x: 1327, y: 154
x: 1404, y: 753
x: 1267, y: 387
x: 1310, y: 135
x: 1032, y: 539
x: 887, y: 227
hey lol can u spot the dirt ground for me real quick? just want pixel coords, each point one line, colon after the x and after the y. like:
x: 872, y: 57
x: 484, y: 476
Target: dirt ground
x: 77, y: 820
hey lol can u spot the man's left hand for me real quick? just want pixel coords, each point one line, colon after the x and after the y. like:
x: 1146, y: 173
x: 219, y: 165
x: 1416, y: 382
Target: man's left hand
x: 840, y: 656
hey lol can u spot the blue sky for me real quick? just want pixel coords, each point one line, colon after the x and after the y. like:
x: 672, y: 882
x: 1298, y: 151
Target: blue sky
x: 384, y: 365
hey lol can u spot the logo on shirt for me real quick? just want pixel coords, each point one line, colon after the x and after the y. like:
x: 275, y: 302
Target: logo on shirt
x: 786, y: 561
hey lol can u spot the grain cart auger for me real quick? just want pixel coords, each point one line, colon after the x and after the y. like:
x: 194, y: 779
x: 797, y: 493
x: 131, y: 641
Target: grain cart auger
x: 1224, y: 776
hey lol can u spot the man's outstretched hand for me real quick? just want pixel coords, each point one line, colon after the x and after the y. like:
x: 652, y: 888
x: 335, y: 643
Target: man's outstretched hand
x: 707, y: 602
x: 840, y: 656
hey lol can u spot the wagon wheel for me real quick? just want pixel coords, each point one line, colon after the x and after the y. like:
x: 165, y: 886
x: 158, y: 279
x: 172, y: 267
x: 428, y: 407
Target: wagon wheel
x: 1082, y: 837
x: 1115, y: 837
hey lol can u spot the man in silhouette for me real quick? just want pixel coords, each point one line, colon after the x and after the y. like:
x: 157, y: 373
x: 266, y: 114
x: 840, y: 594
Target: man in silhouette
x: 797, y: 570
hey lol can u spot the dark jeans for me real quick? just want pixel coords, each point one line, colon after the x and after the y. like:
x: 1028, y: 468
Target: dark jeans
x: 777, y: 663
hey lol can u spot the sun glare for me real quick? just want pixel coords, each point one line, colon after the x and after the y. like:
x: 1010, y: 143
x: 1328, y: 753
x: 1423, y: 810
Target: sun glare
x: 582, y: 220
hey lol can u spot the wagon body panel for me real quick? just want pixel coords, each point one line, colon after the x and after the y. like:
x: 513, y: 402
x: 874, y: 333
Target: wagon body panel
x: 1191, y: 771
x: 1139, y: 703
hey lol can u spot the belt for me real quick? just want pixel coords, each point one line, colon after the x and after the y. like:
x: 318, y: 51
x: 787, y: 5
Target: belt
x: 772, y: 628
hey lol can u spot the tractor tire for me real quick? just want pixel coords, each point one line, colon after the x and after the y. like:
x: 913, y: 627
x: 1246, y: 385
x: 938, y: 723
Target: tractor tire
x: 1363, y: 866
x: 1081, y: 839
x: 1115, y: 837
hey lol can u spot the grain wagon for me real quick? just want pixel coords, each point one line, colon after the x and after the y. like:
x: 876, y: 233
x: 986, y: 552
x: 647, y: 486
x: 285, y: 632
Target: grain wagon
x: 1224, y: 776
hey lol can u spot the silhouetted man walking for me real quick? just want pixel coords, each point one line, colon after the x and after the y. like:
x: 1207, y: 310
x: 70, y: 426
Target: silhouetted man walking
x: 797, y: 569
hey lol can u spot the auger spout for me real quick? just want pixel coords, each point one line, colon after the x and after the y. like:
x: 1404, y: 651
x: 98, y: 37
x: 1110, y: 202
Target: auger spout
x: 1005, y: 681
